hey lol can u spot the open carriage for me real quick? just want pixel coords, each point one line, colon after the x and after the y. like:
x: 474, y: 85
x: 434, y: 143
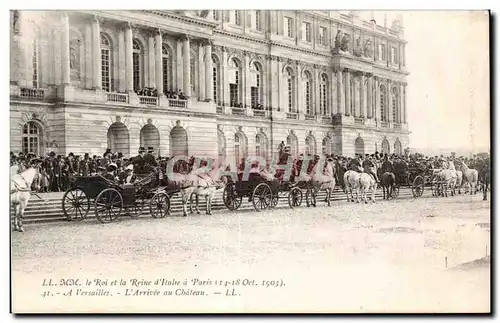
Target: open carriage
x: 417, y: 178
x: 108, y: 199
x: 262, y: 192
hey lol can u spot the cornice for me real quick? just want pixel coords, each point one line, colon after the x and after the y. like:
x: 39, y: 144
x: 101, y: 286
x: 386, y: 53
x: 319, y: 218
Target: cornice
x: 182, y: 18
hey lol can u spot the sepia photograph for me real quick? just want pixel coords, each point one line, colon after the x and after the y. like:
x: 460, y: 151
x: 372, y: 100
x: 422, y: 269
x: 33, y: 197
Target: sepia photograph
x: 249, y: 161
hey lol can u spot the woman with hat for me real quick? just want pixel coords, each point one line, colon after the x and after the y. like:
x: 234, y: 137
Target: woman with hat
x: 110, y: 172
x: 128, y: 176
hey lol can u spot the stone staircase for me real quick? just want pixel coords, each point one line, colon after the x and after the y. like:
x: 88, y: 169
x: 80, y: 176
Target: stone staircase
x: 48, y: 209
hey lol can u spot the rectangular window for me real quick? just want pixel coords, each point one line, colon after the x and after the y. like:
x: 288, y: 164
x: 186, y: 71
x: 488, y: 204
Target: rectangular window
x: 257, y: 20
x: 105, y: 78
x: 288, y: 26
x: 192, y: 73
x: 136, y: 71
x: 35, y: 66
x: 394, y: 54
x: 322, y: 36
x: 308, y: 99
x: 382, y: 53
x: 237, y: 17
x: 254, y: 92
x: 307, y: 31
x: 215, y: 15
x: 216, y: 85
x: 165, y: 74
x: 233, y: 94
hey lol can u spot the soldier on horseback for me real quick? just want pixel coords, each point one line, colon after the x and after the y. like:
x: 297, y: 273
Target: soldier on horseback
x: 368, y: 166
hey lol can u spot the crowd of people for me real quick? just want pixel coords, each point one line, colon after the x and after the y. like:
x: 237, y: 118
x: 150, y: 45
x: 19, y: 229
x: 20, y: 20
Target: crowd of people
x: 57, y: 171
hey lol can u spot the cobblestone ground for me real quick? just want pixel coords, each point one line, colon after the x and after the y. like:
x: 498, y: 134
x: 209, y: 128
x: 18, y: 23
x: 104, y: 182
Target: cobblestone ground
x: 389, y: 256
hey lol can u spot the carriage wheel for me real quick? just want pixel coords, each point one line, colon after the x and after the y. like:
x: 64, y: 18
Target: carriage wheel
x: 418, y: 186
x: 135, y: 210
x: 295, y: 197
x: 395, y: 191
x: 231, y: 198
x: 75, y: 204
x: 159, y: 206
x: 108, y: 205
x: 262, y: 197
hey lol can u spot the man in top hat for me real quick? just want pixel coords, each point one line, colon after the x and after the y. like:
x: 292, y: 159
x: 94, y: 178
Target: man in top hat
x: 149, y: 158
x: 139, y: 160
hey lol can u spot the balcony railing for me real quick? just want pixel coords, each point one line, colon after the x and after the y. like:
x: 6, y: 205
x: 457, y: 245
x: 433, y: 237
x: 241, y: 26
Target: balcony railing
x: 260, y: 113
x: 237, y: 111
x: 310, y: 117
x: 32, y: 93
x: 148, y: 100
x: 176, y: 103
x: 397, y: 126
x: 384, y: 124
x: 358, y: 120
x: 219, y: 110
x: 117, y: 97
x: 292, y: 115
x: 326, y: 119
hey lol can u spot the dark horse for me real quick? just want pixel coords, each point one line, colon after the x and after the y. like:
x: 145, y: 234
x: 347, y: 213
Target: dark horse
x: 485, y: 177
x: 387, y: 181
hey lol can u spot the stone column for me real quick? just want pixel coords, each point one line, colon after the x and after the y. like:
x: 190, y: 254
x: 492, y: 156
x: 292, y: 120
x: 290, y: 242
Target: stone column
x: 264, y: 82
x: 348, y: 93
x: 151, y: 61
x: 159, y: 63
x: 180, y: 73
x: 122, y: 66
x: 65, y: 50
x: 297, y: 93
x: 273, y: 86
x: 209, y: 72
x: 362, y: 102
x: 56, y: 45
x: 186, y: 52
x: 247, y: 101
x: 128, y: 58
x: 369, y: 97
x: 17, y: 59
x: 224, y: 81
x: 401, y: 104
x: 201, y: 73
x: 96, y: 54
x: 340, y: 92
x: 301, y: 108
x: 89, y: 80
x: 333, y: 102
x: 389, y: 101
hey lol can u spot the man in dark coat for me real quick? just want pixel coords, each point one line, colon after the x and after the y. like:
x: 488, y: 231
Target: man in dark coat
x: 355, y: 164
x: 368, y: 166
x: 149, y: 159
x: 139, y: 162
x: 387, y: 166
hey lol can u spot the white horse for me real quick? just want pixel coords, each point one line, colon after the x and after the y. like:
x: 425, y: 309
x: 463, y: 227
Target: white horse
x: 446, y: 178
x: 458, y: 181
x: 366, y: 183
x: 470, y: 175
x: 322, y: 180
x: 20, y: 193
x: 352, y: 182
x: 206, y: 188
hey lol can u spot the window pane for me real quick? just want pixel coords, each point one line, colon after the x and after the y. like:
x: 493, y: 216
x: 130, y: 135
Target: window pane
x: 105, y: 70
x: 137, y: 71
x: 166, y: 72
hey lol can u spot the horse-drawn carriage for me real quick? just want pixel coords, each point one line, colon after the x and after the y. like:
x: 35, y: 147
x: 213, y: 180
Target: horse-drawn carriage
x: 107, y: 197
x: 264, y: 193
x: 416, y: 177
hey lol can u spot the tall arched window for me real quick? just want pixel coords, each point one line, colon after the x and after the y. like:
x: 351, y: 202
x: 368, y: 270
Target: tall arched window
x: 351, y: 93
x: 234, y: 82
x: 323, y: 101
x: 240, y: 144
x: 35, y: 64
x: 308, y: 93
x: 310, y: 145
x: 216, y: 79
x: 261, y: 145
x: 359, y: 146
x: 383, y: 99
x: 105, y: 63
x: 326, y: 146
x: 289, y: 89
x: 397, y: 147
x: 386, y: 148
x: 394, y: 104
x: 137, y: 54
x: 31, y: 138
x: 256, y: 84
x: 167, y: 67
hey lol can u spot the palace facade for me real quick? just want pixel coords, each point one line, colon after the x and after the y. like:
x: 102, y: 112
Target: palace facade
x: 320, y: 81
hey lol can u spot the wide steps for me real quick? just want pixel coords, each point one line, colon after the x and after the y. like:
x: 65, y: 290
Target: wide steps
x: 50, y: 210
